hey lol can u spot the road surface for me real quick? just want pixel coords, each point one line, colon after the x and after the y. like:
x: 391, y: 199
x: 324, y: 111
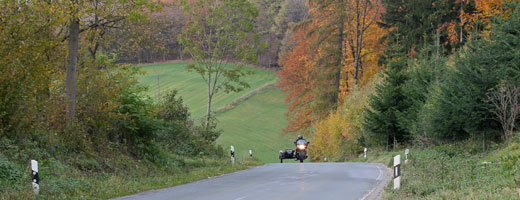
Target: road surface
x: 298, y: 181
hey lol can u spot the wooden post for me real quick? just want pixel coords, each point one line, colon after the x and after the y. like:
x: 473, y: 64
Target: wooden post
x: 35, y: 178
x: 232, y: 154
x: 397, y: 172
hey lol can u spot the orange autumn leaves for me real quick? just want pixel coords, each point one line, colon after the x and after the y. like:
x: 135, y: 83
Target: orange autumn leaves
x: 295, y: 81
x: 478, y: 19
x: 361, y: 45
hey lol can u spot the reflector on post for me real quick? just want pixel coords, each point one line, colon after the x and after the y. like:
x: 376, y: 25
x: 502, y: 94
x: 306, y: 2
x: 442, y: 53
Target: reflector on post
x: 397, y: 171
x: 35, y: 178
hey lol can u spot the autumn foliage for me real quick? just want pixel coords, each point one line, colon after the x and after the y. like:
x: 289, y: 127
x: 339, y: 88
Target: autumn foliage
x: 294, y: 80
x: 336, y: 49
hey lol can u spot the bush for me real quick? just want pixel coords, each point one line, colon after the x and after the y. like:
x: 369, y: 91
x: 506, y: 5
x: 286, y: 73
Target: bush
x: 9, y: 172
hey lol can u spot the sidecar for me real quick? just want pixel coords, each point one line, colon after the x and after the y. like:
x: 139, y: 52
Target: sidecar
x: 286, y: 154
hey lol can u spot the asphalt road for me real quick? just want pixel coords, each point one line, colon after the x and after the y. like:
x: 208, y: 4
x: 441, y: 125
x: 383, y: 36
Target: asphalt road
x: 320, y: 181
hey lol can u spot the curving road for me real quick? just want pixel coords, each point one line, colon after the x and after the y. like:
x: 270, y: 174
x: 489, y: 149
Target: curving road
x: 297, y: 181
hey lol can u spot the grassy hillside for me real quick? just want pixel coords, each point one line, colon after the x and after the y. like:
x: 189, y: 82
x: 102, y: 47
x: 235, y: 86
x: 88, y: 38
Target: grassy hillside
x: 161, y: 78
x: 257, y: 124
x: 456, y: 171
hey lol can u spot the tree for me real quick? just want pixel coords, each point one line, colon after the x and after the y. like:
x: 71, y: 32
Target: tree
x: 387, y: 105
x: 462, y: 108
x: 92, y: 16
x: 322, y: 53
x: 366, y: 13
x: 28, y: 58
x: 217, y: 33
x: 294, y: 80
x: 411, y: 22
x: 327, y: 20
x: 507, y: 107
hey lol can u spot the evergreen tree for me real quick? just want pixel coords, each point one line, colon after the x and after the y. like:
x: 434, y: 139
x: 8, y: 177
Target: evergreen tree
x: 461, y: 106
x: 387, y: 106
x: 427, y: 71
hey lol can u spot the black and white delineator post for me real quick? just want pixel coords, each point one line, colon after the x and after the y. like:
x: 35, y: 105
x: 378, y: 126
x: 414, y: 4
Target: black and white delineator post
x: 397, y: 171
x: 406, y: 152
x: 365, y: 153
x: 35, y: 178
x: 232, y: 154
x: 250, y: 153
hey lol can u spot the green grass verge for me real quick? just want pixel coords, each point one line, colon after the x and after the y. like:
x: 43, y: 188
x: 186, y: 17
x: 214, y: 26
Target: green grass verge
x: 455, y: 171
x: 61, y: 181
x: 257, y: 124
x: 161, y: 78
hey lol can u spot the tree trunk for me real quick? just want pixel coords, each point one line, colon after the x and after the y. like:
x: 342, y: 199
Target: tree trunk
x: 72, y: 63
x: 340, y: 56
x: 395, y: 142
x: 483, y: 142
x: 208, y: 112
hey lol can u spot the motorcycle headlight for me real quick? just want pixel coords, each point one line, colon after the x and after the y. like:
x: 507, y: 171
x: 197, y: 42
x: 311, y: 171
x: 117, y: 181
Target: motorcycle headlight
x: 301, y: 146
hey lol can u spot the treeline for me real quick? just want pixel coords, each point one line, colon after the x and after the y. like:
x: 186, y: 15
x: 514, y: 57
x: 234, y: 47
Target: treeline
x: 449, y: 71
x: 156, y: 39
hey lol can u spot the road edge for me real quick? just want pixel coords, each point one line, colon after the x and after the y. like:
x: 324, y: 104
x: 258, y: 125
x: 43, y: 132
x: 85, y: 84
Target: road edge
x: 379, y: 189
x: 200, y: 180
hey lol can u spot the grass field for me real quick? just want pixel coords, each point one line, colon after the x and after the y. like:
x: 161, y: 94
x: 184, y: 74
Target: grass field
x: 255, y: 123
x: 161, y: 78
x: 455, y: 171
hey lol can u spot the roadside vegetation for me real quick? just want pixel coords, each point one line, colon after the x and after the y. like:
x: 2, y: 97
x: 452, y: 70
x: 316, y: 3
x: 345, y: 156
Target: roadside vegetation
x: 83, y: 178
x: 69, y: 101
x: 454, y: 171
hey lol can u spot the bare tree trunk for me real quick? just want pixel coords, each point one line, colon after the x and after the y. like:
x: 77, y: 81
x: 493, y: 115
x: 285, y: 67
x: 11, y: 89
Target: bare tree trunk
x: 72, y: 63
x: 484, y: 142
x: 208, y: 112
x: 395, y: 143
x: 461, y: 19
x: 340, y: 56
x: 358, y: 45
x: 506, y: 107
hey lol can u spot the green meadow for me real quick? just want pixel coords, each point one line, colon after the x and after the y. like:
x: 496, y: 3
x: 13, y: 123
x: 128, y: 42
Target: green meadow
x: 255, y: 123
x: 161, y: 78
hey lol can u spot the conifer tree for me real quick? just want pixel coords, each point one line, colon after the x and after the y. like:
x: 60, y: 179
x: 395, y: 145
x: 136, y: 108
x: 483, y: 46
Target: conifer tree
x: 462, y: 109
x: 387, y: 105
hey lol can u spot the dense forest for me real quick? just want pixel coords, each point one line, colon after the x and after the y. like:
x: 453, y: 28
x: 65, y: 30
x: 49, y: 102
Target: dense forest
x: 399, y: 73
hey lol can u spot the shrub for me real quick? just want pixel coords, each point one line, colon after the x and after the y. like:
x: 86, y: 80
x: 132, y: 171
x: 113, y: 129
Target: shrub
x: 8, y: 171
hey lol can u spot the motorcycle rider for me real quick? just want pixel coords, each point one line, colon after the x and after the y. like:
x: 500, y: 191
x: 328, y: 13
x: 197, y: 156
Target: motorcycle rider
x: 300, y: 141
x: 300, y: 137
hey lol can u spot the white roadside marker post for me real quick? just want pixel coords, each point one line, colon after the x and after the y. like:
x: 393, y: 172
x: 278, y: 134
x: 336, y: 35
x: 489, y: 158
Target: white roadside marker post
x: 365, y: 153
x: 397, y: 172
x: 250, y: 153
x: 232, y: 154
x: 35, y: 178
x: 406, y: 152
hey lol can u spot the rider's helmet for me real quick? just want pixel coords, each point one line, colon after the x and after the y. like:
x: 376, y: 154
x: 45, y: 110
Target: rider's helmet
x: 300, y: 137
